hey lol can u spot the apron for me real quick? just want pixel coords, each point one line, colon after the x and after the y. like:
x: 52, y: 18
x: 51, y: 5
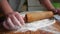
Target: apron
x: 16, y: 4
x: 34, y: 5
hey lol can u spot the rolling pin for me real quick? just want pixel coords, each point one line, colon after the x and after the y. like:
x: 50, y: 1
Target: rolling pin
x: 34, y: 16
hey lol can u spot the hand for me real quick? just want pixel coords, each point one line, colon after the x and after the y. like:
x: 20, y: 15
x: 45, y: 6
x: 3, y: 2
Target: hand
x: 56, y: 11
x: 12, y: 20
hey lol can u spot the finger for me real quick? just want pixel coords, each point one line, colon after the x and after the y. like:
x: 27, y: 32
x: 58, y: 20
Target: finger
x: 5, y: 25
x: 10, y: 23
x: 15, y: 20
x: 20, y: 18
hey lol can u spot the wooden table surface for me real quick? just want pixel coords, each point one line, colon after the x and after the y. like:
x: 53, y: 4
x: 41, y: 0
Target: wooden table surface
x: 4, y: 31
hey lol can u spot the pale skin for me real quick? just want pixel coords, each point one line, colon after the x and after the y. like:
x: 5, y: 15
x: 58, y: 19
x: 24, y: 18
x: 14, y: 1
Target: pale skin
x: 14, y: 18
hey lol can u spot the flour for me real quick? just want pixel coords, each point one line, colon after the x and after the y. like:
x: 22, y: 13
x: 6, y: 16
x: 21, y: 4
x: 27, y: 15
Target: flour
x: 34, y: 26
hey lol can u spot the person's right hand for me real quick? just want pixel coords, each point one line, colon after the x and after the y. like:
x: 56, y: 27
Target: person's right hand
x: 14, y: 19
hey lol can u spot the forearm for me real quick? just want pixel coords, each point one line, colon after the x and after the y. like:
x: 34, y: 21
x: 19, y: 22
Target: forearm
x: 6, y: 7
x: 47, y: 4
